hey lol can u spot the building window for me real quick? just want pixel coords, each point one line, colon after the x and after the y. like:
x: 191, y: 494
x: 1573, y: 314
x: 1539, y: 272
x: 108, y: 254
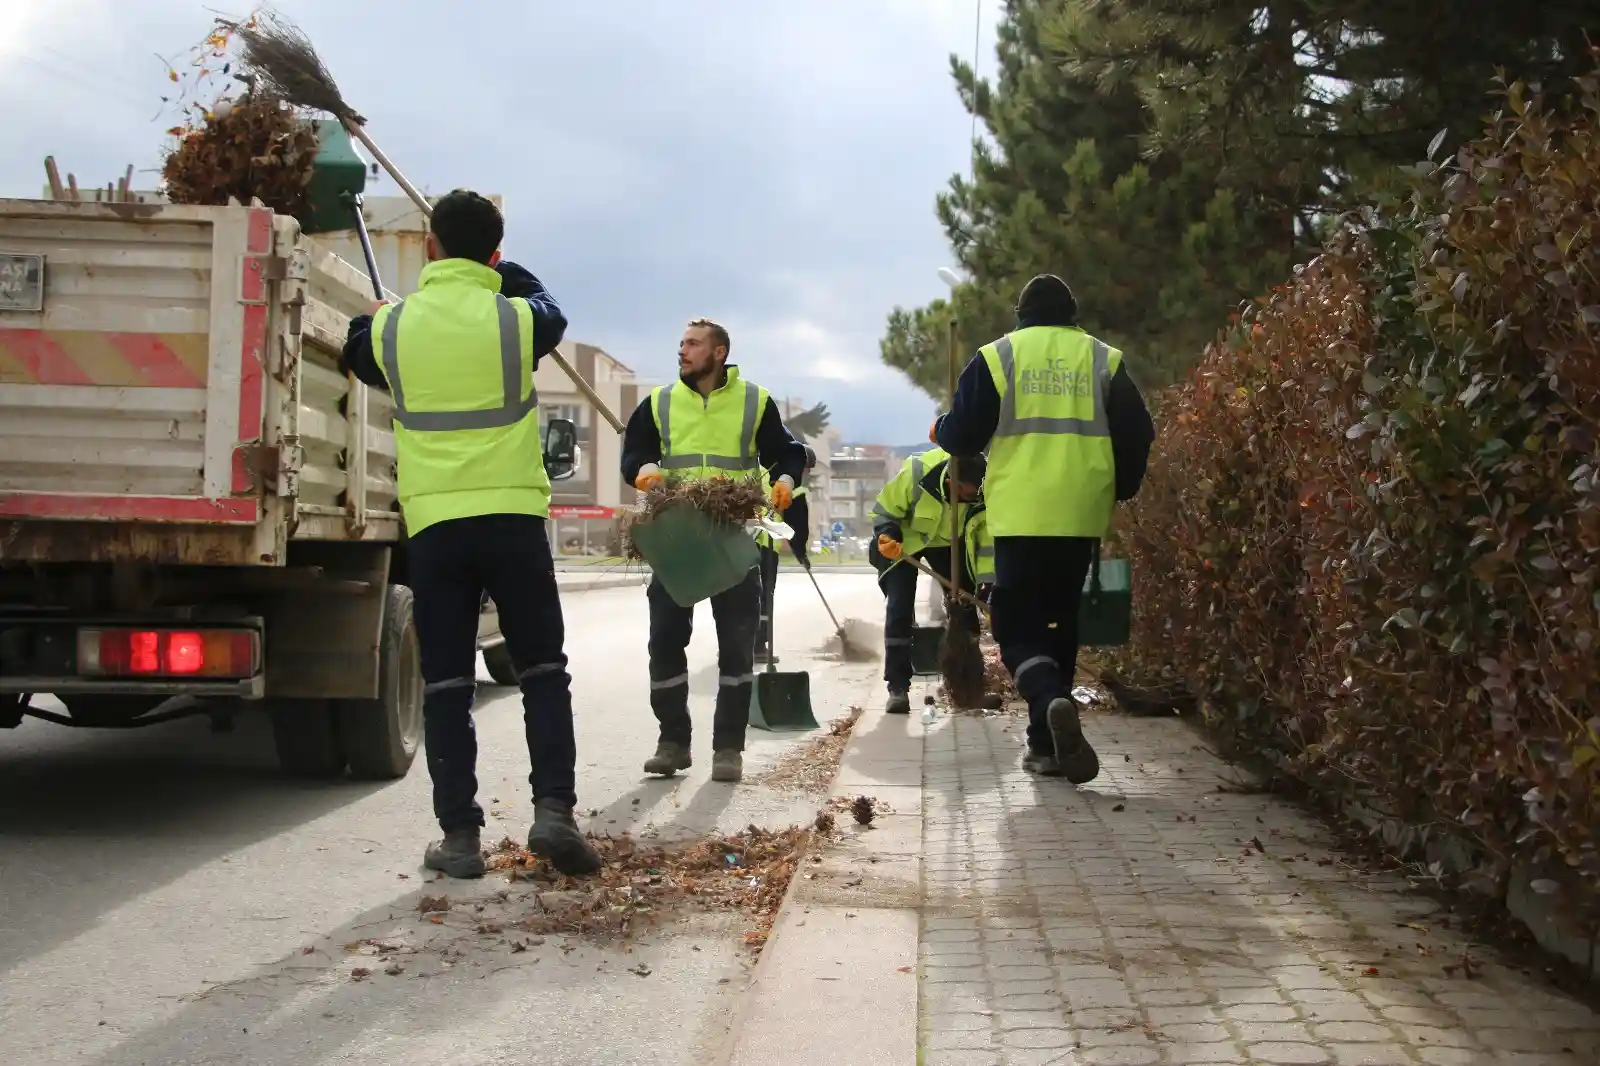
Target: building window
x: 841, y: 486
x: 844, y: 508
x: 569, y: 411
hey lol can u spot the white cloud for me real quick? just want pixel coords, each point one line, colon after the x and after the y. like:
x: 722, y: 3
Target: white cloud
x: 772, y: 166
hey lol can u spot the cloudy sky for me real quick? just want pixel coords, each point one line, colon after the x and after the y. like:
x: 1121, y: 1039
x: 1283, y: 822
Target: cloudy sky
x: 772, y: 165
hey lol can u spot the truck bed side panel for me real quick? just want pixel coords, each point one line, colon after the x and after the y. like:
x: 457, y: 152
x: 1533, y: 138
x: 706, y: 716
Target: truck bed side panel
x: 347, y: 477
x: 137, y: 392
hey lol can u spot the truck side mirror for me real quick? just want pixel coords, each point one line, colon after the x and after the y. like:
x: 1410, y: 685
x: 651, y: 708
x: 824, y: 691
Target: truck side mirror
x: 560, y: 449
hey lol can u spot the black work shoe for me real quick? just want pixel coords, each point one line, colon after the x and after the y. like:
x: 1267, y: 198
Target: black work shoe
x: 555, y: 836
x: 727, y: 766
x: 1042, y: 763
x: 1078, y: 760
x: 899, y: 703
x: 668, y: 759
x: 459, y: 854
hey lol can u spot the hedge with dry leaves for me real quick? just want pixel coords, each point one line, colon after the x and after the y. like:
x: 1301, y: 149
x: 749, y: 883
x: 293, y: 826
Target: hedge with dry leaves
x: 1374, y: 508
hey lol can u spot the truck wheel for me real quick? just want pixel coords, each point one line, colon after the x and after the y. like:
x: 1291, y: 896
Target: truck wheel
x: 501, y: 669
x: 382, y: 735
x: 91, y: 709
x: 306, y: 733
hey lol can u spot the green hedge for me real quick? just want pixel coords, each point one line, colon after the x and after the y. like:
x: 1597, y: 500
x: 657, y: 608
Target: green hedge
x: 1370, y: 534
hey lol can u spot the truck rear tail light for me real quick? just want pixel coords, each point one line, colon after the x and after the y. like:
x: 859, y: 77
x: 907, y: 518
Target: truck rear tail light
x: 233, y: 653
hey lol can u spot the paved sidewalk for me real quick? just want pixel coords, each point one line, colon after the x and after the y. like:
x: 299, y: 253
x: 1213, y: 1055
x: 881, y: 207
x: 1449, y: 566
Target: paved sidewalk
x: 1148, y: 918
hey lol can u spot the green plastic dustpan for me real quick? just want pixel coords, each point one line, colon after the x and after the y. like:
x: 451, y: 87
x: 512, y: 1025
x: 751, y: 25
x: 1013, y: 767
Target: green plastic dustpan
x: 692, y: 555
x: 927, y: 646
x: 1105, y: 613
x: 780, y: 700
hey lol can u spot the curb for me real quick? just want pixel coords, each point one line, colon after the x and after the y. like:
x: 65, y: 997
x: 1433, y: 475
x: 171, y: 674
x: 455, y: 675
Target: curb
x: 588, y: 584
x: 837, y: 982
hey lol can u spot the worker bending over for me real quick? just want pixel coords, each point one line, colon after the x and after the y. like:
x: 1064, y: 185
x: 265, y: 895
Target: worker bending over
x: 1067, y: 435
x: 458, y: 358
x: 710, y: 423
x: 912, y: 518
x: 798, y: 516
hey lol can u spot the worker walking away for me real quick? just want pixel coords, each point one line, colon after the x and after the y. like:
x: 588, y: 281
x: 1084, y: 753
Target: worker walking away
x: 458, y: 358
x: 709, y: 423
x: 798, y: 517
x: 1068, y: 435
x: 912, y: 518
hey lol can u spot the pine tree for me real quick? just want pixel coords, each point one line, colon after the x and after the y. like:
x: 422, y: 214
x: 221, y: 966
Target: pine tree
x: 1156, y: 250
x: 1307, y: 106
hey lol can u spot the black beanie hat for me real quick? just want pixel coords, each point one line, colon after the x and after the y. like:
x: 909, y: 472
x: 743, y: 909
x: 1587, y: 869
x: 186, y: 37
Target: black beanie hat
x: 1047, y: 301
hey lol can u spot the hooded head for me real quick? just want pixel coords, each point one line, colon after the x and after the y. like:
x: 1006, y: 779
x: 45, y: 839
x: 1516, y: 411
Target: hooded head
x: 1046, y: 301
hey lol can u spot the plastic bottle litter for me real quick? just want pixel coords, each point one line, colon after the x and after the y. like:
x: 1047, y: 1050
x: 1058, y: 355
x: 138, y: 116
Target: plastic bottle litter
x: 929, y: 715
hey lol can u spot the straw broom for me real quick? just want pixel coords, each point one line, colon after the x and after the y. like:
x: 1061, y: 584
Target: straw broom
x: 286, y: 64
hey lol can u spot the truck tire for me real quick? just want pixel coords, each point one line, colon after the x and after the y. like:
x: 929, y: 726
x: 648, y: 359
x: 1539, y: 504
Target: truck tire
x: 382, y: 736
x: 501, y: 669
x: 306, y: 734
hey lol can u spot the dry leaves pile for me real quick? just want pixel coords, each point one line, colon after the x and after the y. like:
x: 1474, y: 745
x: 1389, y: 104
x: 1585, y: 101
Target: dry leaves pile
x: 996, y: 678
x: 811, y: 769
x: 725, y: 499
x: 641, y: 884
x: 259, y: 148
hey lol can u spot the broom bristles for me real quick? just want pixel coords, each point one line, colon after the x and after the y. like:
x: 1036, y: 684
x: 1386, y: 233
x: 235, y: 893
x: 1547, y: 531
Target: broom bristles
x: 286, y: 65
x: 962, y: 664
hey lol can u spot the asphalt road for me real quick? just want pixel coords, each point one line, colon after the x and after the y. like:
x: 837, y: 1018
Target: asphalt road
x: 166, y: 897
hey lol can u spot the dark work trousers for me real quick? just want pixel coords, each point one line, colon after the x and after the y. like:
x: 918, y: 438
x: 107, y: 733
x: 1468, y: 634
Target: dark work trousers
x: 899, y: 585
x: 737, y: 613
x: 451, y: 565
x: 1038, y: 582
x: 769, y: 588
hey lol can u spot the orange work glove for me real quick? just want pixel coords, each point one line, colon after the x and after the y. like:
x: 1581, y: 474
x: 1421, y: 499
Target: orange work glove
x: 782, y: 496
x: 933, y: 432
x: 888, y: 547
x: 648, y: 478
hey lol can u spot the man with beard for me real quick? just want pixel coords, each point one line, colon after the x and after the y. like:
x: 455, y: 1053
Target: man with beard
x: 710, y: 423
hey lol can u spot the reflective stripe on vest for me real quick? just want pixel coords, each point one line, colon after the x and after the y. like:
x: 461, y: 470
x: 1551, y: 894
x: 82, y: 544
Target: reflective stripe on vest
x: 513, y: 408
x: 1012, y: 426
x: 917, y: 472
x: 745, y: 460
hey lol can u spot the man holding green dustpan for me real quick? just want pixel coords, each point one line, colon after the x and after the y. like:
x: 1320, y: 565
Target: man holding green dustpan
x: 710, y: 423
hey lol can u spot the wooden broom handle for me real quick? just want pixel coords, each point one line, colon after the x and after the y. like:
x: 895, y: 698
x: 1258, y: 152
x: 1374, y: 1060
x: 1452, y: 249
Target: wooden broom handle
x: 360, y: 134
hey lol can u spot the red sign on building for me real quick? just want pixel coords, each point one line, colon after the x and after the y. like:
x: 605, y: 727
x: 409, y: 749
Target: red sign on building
x: 581, y: 511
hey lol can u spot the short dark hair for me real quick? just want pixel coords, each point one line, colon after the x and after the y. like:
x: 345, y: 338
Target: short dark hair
x: 468, y: 226
x: 719, y: 333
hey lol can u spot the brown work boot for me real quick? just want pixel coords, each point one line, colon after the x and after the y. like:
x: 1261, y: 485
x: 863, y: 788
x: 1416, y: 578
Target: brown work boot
x: 668, y: 759
x: 727, y: 765
x: 555, y: 836
x: 1078, y: 761
x: 899, y: 703
x: 459, y: 854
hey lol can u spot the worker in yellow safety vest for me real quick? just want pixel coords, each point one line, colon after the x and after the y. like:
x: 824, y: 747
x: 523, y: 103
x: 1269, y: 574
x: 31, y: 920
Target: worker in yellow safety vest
x: 798, y: 518
x: 1067, y: 435
x: 709, y: 423
x: 458, y: 358
x: 912, y: 518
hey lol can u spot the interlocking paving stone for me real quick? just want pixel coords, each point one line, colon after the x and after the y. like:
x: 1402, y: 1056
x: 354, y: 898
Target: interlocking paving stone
x: 1149, y: 919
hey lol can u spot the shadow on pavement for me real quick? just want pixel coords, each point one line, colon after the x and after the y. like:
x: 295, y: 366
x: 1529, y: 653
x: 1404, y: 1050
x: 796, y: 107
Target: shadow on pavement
x: 115, y: 814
